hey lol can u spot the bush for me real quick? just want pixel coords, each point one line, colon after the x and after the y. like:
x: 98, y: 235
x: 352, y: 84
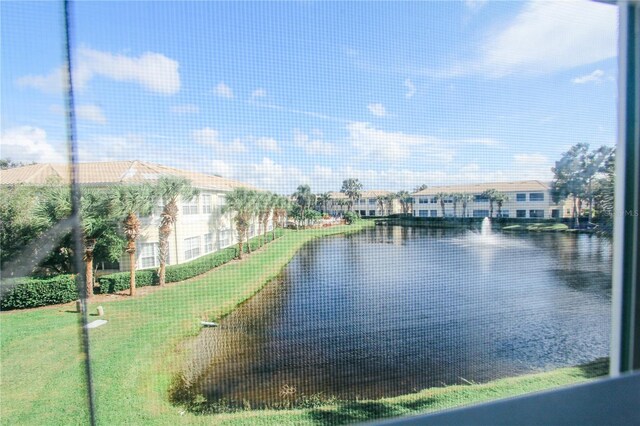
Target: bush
x: 34, y: 292
x: 351, y: 217
x: 120, y: 280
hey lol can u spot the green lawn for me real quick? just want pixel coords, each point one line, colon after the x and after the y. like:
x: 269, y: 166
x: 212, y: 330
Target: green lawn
x: 137, y: 354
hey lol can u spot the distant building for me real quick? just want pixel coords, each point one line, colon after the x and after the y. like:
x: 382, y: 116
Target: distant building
x: 525, y: 199
x: 200, y: 229
x: 367, y: 205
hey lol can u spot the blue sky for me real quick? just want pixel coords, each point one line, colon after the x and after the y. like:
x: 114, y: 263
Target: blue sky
x: 277, y: 94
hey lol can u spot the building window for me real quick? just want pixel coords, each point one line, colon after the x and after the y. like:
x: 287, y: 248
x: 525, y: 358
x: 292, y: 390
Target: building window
x: 480, y: 199
x: 503, y: 213
x: 423, y: 200
x: 521, y: 197
x: 190, y: 207
x: 424, y: 213
x: 207, y: 207
x: 434, y: 200
x: 191, y: 247
x: 536, y: 196
x: 226, y: 238
x: 372, y: 200
x: 363, y: 212
x: 148, y: 256
x: 372, y: 212
x: 555, y: 213
x: 434, y: 213
x: 208, y: 243
x: 536, y: 213
x: 481, y: 213
x: 521, y: 213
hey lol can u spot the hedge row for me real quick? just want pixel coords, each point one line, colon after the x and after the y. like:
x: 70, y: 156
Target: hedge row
x: 34, y: 292
x: 120, y: 281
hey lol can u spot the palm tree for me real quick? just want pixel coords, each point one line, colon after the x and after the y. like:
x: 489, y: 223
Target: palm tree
x: 169, y: 189
x: 352, y: 189
x: 405, y: 201
x: 281, y: 205
x: 129, y: 201
x: 490, y: 194
x: 500, y: 198
x: 456, y: 197
x: 304, y: 198
x: 388, y: 200
x: 441, y: 196
x: 465, y: 199
x: 380, y: 199
x: 241, y: 202
x: 323, y: 201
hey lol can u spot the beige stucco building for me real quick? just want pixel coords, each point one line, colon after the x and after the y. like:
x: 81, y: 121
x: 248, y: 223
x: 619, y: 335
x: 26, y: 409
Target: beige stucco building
x: 524, y: 199
x: 200, y: 229
x: 367, y: 205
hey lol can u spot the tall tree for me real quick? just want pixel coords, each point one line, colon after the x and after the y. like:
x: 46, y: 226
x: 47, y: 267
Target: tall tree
x: 388, y: 201
x: 405, y: 201
x: 569, y: 177
x: 381, y: 200
x: 441, y: 197
x: 241, y: 202
x: 594, y: 165
x: 169, y: 189
x: 465, y: 199
x: 456, y: 197
x: 604, y: 192
x: 304, y: 198
x: 500, y: 198
x: 323, y: 201
x: 490, y: 194
x: 352, y: 188
x: 130, y: 202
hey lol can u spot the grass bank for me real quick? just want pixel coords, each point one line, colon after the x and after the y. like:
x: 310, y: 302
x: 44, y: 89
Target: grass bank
x: 136, y: 355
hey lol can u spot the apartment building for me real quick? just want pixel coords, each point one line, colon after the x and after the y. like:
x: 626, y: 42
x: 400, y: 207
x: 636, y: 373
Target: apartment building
x: 370, y: 203
x: 200, y: 229
x: 523, y: 199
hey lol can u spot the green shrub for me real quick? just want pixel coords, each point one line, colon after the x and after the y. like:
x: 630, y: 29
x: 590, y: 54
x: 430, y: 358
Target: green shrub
x: 351, y: 217
x: 120, y: 280
x: 34, y: 292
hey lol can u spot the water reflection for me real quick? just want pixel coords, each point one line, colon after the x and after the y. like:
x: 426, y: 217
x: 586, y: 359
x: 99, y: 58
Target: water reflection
x: 392, y: 310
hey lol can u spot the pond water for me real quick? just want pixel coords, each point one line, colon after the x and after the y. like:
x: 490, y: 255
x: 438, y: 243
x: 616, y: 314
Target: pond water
x: 393, y: 310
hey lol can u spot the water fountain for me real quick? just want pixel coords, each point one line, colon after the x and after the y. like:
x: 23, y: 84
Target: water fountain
x: 485, y: 231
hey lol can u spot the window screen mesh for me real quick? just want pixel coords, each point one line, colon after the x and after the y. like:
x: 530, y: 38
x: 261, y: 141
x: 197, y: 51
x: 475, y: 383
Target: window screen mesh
x: 334, y: 211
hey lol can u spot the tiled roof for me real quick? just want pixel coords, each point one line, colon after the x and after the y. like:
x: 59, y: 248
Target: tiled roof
x: 363, y: 194
x: 112, y: 172
x: 525, y: 185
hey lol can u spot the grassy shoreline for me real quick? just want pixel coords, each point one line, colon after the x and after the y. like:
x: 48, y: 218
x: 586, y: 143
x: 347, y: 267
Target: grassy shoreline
x: 136, y: 356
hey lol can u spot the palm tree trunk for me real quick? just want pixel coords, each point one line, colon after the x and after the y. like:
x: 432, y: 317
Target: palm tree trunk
x: 88, y: 258
x: 132, y: 272
x: 575, y: 212
x: 163, y: 250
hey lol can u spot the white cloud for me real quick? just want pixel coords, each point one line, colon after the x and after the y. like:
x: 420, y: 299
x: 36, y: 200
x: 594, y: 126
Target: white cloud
x: 50, y: 83
x: 153, y: 71
x: 311, y: 146
x: 259, y: 93
x: 552, y: 36
x: 117, y: 147
x: 480, y: 141
x: 223, y: 91
x: 377, y: 109
x: 237, y: 146
x: 220, y: 167
x: 268, y: 144
x: 27, y: 144
x: 475, y: 5
x: 91, y: 113
x: 84, y: 112
x: 206, y: 136
x: 531, y: 166
x: 185, y: 109
x: 595, y: 77
x: 396, y: 146
x: 410, y: 87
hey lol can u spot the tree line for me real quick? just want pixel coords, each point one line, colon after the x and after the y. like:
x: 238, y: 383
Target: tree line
x: 35, y: 223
